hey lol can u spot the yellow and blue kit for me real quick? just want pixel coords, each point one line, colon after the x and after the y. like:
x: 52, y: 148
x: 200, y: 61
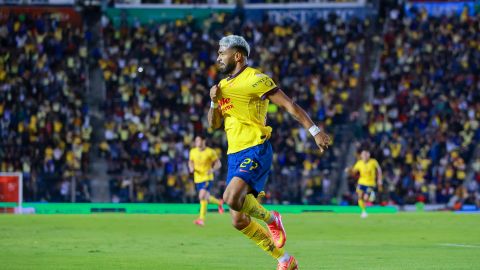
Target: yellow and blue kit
x: 203, y: 162
x: 243, y: 102
x: 368, y: 173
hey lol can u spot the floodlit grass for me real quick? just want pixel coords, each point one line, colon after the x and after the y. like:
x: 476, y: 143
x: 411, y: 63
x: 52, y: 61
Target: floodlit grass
x: 319, y: 241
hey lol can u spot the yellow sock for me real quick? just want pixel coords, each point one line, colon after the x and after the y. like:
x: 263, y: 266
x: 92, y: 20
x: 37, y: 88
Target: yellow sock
x: 262, y: 238
x: 203, y: 208
x: 214, y: 200
x: 361, y: 203
x: 254, y: 209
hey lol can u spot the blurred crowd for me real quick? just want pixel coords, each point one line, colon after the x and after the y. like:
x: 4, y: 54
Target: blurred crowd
x: 231, y: 2
x: 158, y: 77
x: 44, y: 126
x: 423, y: 121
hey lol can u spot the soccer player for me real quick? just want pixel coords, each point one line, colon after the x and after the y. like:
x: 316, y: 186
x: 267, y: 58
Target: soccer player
x: 240, y: 101
x: 203, y: 161
x: 368, y: 168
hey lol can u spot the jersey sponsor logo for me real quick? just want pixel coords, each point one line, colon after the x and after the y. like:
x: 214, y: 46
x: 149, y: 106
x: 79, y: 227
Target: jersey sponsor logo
x: 227, y: 108
x: 224, y: 101
x: 225, y: 104
x: 265, y: 80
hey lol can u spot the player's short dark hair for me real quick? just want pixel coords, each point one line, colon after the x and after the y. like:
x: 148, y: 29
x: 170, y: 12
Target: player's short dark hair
x: 202, y: 135
x: 241, y: 49
x: 364, y: 148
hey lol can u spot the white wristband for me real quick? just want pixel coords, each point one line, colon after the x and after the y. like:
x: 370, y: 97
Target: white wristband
x: 314, y: 130
x: 213, y: 105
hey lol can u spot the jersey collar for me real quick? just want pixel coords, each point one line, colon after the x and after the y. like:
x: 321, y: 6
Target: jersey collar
x: 236, y: 74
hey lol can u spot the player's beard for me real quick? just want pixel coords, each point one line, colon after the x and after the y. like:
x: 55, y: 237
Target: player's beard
x: 228, y: 68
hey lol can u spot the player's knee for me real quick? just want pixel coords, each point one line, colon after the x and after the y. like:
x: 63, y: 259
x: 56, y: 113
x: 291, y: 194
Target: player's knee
x: 228, y: 199
x: 233, y: 200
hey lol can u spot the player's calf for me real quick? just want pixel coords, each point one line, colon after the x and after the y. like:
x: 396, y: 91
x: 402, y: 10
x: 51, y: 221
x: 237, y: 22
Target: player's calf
x: 240, y: 221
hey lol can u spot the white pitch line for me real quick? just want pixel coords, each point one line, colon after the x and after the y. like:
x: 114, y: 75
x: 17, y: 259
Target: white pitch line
x: 458, y: 245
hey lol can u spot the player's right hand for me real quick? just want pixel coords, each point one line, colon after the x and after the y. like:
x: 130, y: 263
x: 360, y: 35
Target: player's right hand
x: 323, y: 141
x: 214, y: 92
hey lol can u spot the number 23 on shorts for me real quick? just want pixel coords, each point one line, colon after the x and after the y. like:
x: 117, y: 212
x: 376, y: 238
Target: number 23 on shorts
x: 248, y: 162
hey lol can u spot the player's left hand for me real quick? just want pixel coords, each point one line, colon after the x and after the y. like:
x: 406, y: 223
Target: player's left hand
x: 214, y: 92
x: 323, y: 141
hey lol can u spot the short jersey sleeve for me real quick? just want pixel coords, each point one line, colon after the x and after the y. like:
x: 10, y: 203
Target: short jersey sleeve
x: 213, y: 155
x: 262, y: 85
x: 190, y: 155
x: 356, y: 167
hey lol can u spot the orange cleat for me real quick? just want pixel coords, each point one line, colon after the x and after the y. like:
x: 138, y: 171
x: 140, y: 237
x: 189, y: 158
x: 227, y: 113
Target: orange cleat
x: 277, y: 231
x: 199, y: 222
x: 220, y: 207
x: 291, y: 264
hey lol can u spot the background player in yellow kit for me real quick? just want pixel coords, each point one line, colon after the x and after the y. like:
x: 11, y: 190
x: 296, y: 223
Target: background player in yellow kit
x: 241, y: 101
x: 203, y: 161
x: 369, y: 169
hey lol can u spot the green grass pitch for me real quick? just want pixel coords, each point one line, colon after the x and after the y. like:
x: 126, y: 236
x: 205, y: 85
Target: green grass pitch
x: 171, y: 242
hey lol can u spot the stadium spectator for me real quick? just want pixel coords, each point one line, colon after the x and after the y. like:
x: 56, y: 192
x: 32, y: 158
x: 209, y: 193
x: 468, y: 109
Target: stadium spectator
x: 424, y: 119
x: 44, y: 123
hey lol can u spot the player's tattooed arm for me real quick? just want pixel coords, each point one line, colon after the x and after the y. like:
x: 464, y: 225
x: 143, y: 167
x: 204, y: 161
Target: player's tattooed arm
x: 281, y: 99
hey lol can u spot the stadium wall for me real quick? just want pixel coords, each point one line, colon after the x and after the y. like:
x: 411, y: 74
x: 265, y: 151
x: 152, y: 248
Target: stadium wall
x: 64, y: 14
x: 158, y: 208
x: 147, y: 15
x: 442, y: 8
x: 278, y: 13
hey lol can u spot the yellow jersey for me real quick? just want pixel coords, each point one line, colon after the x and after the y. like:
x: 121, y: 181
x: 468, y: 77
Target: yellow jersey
x: 368, y: 171
x: 202, y: 162
x: 243, y: 104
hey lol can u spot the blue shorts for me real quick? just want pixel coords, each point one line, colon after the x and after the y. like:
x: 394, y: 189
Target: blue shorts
x: 370, y: 191
x: 252, y: 165
x: 207, y: 185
